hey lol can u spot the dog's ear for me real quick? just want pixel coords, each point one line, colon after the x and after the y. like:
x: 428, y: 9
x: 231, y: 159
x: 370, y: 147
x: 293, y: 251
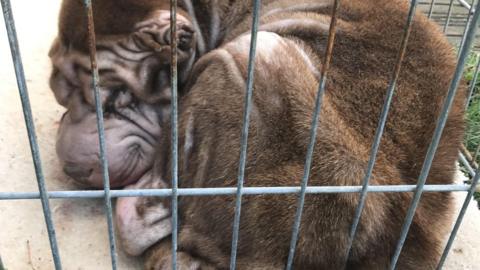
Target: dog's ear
x: 60, y: 86
x: 137, y: 63
x: 154, y: 35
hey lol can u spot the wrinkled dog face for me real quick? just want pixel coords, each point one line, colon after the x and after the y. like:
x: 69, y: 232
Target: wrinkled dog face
x: 134, y: 85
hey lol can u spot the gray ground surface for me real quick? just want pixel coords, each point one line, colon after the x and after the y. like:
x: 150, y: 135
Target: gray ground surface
x: 80, y: 224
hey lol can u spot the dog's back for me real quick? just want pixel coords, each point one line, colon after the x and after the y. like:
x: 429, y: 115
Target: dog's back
x: 291, y: 46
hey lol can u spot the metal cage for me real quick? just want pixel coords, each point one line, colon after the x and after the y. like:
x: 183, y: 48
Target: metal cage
x: 435, y: 10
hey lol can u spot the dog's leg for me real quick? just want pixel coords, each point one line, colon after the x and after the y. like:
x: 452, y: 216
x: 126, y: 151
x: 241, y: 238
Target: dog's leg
x: 159, y: 257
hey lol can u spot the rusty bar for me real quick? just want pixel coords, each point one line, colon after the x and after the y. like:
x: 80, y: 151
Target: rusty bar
x: 381, y: 127
x: 313, y: 135
x: 101, y: 131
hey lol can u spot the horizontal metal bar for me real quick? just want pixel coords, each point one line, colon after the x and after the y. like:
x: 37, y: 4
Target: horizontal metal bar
x: 89, y: 194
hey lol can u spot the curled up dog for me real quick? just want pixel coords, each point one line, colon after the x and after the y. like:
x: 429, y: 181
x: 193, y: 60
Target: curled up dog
x: 291, y: 45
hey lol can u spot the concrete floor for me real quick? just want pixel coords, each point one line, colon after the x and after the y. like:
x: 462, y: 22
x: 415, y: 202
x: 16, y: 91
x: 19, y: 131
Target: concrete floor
x: 80, y: 224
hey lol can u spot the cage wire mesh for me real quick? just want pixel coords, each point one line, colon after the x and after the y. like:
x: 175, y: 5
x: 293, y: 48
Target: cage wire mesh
x: 458, y: 19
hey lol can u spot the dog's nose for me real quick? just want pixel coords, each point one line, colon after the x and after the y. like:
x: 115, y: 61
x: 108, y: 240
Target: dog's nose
x: 77, y: 173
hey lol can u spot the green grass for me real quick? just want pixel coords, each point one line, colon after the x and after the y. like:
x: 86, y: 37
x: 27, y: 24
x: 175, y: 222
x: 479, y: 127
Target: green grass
x: 472, y: 135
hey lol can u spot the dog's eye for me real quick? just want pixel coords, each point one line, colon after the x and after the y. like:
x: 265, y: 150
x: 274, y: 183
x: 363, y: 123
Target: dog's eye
x: 120, y: 96
x: 122, y: 88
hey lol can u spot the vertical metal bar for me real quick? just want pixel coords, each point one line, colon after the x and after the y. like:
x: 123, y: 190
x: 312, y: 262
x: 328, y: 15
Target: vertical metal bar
x: 467, y: 201
x: 381, y: 126
x: 174, y: 124
x: 201, y: 45
x: 447, y: 22
x: 430, y: 12
x: 101, y: 131
x: 466, y: 164
x: 475, y: 155
x: 32, y: 138
x: 468, y: 158
x: 473, y: 83
x: 467, y: 24
x: 437, y: 135
x: 244, y: 140
x: 313, y: 135
x: 1, y: 264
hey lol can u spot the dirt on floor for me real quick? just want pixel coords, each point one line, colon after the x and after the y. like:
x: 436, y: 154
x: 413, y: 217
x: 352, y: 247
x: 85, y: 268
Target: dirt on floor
x: 80, y: 224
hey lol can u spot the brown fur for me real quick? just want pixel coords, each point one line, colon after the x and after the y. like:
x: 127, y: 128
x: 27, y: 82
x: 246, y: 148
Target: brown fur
x: 368, y: 38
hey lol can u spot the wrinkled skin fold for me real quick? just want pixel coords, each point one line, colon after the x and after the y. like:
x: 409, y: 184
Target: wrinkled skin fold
x: 132, y: 134
x: 134, y: 85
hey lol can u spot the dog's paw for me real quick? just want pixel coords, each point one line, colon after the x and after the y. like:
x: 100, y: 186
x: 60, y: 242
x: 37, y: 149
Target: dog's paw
x: 142, y: 221
x: 159, y: 257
